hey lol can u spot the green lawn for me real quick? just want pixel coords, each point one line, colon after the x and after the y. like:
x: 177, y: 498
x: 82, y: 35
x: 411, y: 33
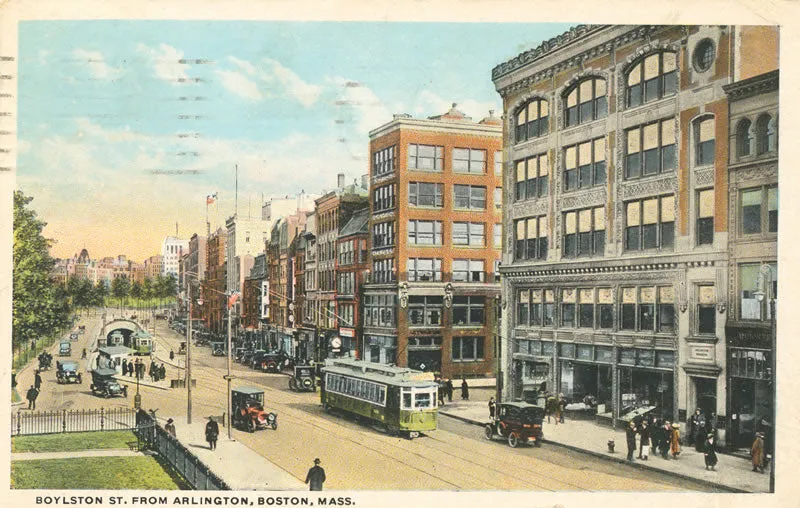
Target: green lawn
x: 111, y: 440
x: 143, y: 473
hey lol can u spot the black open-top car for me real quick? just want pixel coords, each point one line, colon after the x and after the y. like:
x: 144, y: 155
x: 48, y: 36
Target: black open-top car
x: 67, y: 372
x: 104, y: 384
x: 518, y: 422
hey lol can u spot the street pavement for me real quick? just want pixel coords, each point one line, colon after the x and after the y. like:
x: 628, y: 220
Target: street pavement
x: 732, y: 472
x: 236, y: 464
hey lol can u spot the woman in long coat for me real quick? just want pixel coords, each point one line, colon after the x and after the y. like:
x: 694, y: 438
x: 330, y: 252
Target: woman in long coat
x: 675, y: 440
x: 757, y: 452
x: 710, y: 451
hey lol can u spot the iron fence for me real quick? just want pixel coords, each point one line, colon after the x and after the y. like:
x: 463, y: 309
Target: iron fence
x: 25, y: 423
x: 153, y: 437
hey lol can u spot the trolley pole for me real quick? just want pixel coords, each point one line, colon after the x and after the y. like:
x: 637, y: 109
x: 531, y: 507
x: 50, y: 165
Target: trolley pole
x: 189, y: 355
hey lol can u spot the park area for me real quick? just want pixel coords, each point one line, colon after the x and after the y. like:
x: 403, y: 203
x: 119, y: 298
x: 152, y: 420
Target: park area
x: 87, y: 460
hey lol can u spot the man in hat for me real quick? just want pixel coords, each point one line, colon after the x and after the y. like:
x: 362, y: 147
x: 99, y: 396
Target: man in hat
x: 212, y: 433
x: 316, y: 476
x: 37, y: 381
x: 710, y: 452
x: 757, y: 452
x: 170, y: 428
x: 630, y: 438
x: 31, y: 396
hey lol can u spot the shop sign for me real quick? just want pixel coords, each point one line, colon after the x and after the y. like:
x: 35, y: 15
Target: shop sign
x: 347, y: 332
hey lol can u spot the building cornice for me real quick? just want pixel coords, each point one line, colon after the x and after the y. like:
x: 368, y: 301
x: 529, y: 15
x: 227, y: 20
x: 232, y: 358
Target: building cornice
x: 438, y: 126
x: 757, y: 85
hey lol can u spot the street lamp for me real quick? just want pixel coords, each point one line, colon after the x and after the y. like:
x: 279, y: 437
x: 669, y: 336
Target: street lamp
x: 766, y: 279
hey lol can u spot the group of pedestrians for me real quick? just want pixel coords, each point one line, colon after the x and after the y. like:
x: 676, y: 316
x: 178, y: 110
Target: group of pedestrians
x: 554, y: 406
x: 136, y: 368
x: 664, y: 437
x: 446, y: 389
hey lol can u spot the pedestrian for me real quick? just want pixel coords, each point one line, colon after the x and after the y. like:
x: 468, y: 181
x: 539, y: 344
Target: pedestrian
x: 316, y: 476
x: 83, y: 354
x: 171, y: 355
x: 644, y: 440
x: 757, y: 452
x: 152, y: 371
x: 448, y: 388
x: 694, y: 424
x: 440, y: 391
x: 666, y: 434
x: 32, y: 394
x: 464, y: 389
x: 710, y: 452
x: 37, y: 381
x: 675, y: 440
x: 630, y: 439
x: 562, y: 404
x: 170, y: 427
x: 124, y: 366
x: 492, y: 407
x: 212, y: 433
x: 162, y: 372
x: 130, y: 368
x: 551, y: 408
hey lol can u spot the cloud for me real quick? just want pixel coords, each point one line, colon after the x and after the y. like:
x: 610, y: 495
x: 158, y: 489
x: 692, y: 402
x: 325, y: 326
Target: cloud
x: 238, y: 84
x: 98, y: 68
x: 359, y: 105
x: 305, y: 93
x: 166, y: 62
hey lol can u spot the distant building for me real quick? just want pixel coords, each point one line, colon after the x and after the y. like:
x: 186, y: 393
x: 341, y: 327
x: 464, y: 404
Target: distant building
x: 172, y: 249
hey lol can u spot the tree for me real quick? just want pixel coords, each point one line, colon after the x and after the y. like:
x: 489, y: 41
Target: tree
x: 120, y: 287
x: 99, y: 294
x: 40, y: 306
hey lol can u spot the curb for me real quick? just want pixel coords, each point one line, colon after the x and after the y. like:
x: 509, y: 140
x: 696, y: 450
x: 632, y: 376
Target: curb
x: 133, y: 383
x: 619, y: 461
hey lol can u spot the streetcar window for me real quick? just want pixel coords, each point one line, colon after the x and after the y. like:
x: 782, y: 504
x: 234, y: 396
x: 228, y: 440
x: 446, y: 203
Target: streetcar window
x: 406, y: 400
x: 422, y: 400
x: 382, y: 398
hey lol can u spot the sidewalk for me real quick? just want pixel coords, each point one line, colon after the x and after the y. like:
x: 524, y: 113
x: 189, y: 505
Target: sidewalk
x: 236, y: 464
x: 733, y: 473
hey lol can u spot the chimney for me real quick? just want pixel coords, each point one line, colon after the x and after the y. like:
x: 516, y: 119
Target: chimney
x: 365, y: 181
x: 340, y: 180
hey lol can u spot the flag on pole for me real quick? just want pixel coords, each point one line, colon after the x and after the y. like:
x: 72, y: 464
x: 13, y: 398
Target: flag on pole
x: 211, y: 198
x: 232, y: 299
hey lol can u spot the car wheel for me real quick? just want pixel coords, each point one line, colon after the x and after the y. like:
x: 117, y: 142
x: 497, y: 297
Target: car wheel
x: 292, y: 384
x: 251, y: 426
x: 513, y: 440
x: 274, y: 425
x: 488, y: 432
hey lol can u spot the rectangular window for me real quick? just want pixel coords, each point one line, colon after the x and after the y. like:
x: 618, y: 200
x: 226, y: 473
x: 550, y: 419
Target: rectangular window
x: 383, y: 234
x: 498, y: 163
x: 467, y: 348
x: 469, y: 160
x: 426, y: 194
x: 650, y: 149
x: 383, y: 198
x: 532, y: 177
x: 584, y: 232
x: 424, y: 232
x: 523, y: 307
x: 468, y: 310
x: 666, y: 309
x: 531, y: 238
x: 568, y: 308
x: 423, y: 270
x: 585, y: 164
x: 753, y: 201
x: 425, y: 310
x: 548, y: 308
x: 469, y: 233
x: 383, y: 161
x: 425, y: 157
x: 605, y: 307
x: 383, y: 270
x: 705, y: 217
x: 497, y: 233
x: 706, y: 309
x: 650, y: 223
x: 628, y: 321
x: 498, y: 198
x: 469, y: 197
x: 586, y: 311
x: 468, y: 270
x: 647, y: 308
x: 705, y: 142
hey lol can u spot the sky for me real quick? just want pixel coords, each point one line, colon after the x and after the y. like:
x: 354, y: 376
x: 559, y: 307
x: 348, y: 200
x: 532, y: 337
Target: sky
x: 125, y: 127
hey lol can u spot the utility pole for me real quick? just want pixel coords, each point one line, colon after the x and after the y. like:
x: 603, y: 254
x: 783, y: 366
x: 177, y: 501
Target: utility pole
x: 229, y: 377
x: 189, y: 355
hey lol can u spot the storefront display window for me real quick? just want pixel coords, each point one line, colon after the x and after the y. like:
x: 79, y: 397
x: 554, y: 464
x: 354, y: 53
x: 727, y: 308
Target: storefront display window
x: 639, y: 387
x: 665, y: 359
x: 627, y: 356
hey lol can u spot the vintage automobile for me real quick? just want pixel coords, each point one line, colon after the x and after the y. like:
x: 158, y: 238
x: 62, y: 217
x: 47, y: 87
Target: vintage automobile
x: 518, y: 422
x: 182, y: 348
x: 303, y: 379
x: 65, y: 348
x: 248, y: 410
x: 254, y: 362
x: 67, y: 372
x: 270, y: 362
x: 73, y: 336
x: 104, y: 384
x: 218, y: 348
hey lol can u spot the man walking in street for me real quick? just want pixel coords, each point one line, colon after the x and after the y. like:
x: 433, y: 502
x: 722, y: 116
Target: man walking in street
x: 492, y: 407
x: 464, y: 389
x: 212, y: 433
x: 37, y: 381
x: 316, y: 476
x: 448, y: 388
x: 31, y: 396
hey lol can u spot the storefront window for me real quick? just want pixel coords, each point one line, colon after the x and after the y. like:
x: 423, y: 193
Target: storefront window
x: 566, y: 350
x: 604, y: 354
x: 640, y: 387
x: 665, y: 359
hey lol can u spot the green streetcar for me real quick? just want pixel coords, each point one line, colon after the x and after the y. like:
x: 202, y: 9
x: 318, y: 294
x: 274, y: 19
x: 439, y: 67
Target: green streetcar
x: 400, y: 399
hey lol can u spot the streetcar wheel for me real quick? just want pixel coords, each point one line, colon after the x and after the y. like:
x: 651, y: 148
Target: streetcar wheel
x: 513, y: 440
x: 488, y: 432
x: 412, y: 435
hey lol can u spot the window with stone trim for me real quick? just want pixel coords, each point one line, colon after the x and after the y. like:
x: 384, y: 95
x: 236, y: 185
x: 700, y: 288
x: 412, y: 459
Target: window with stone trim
x: 532, y: 177
x: 568, y: 297
x: 585, y: 164
x: 650, y: 149
x: 766, y: 134
x: 705, y: 217
x: 750, y: 283
x: 704, y: 141
x: 744, y: 138
x: 584, y: 232
x: 530, y: 240
x: 647, y: 309
x: 706, y: 309
x: 532, y: 120
x: 754, y: 202
x: 650, y: 223
x: 653, y: 77
x: 586, y: 101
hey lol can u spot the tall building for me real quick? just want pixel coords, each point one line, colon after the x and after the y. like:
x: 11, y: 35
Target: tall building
x: 435, y: 192
x: 246, y: 239
x: 618, y: 215
x: 309, y: 310
x: 172, y: 249
x: 213, y: 291
x: 352, y: 265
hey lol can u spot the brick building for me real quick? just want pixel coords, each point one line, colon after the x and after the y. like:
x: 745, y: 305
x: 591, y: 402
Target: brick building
x: 351, y: 267
x: 214, y: 285
x: 618, y: 215
x: 434, y: 243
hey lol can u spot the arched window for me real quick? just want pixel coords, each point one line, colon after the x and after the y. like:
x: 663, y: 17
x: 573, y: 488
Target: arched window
x: 586, y: 101
x: 652, y: 78
x: 766, y: 134
x: 704, y: 141
x: 533, y: 120
x: 744, y: 138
